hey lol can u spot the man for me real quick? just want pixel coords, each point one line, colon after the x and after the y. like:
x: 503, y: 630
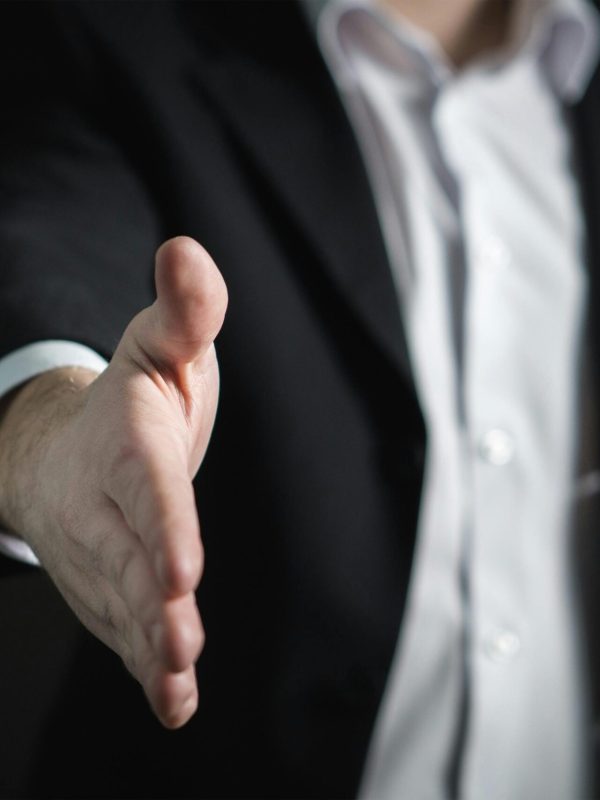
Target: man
x: 129, y: 123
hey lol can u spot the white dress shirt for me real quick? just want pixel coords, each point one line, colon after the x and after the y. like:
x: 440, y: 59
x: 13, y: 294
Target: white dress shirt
x: 472, y: 180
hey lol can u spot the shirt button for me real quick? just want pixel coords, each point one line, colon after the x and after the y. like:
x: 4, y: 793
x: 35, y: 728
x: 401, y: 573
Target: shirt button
x: 497, y: 447
x: 502, y: 646
x: 493, y: 252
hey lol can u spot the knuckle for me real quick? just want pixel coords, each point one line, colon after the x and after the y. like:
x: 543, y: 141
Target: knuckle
x: 196, y: 564
x: 196, y: 636
x: 186, y: 569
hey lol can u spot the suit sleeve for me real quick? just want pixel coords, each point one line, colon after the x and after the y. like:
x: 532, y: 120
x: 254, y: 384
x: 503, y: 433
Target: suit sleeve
x: 77, y: 225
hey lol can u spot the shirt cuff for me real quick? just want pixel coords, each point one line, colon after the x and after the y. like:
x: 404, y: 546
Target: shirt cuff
x: 23, y: 364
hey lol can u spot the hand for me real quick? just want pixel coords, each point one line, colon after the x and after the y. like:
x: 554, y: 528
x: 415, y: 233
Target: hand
x: 98, y: 480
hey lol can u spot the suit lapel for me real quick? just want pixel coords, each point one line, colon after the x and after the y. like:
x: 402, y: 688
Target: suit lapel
x: 585, y: 540
x: 263, y: 74
x: 586, y: 126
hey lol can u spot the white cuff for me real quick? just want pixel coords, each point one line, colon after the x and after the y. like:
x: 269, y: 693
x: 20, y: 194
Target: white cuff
x: 29, y: 361
x: 18, y: 549
x: 23, y: 364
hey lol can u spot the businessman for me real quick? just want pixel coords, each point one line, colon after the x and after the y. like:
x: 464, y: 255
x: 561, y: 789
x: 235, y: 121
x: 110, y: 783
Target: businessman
x: 391, y: 499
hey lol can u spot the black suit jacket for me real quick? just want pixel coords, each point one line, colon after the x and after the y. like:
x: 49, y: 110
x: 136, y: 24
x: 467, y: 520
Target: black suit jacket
x: 123, y: 124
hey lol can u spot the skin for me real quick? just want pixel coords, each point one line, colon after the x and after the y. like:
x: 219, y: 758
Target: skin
x: 96, y: 471
x: 465, y: 29
x: 95, y: 474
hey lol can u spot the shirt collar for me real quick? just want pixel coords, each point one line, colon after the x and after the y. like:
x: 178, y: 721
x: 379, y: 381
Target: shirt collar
x: 563, y: 34
x: 566, y: 34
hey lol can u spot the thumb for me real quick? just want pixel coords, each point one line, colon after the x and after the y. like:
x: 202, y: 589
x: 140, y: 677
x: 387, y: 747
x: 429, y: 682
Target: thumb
x: 190, y: 306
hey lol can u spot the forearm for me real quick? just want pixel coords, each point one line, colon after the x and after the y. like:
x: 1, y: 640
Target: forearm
x: 29, y: 416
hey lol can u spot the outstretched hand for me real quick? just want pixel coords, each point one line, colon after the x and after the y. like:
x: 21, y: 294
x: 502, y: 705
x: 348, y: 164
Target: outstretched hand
x: 109, y: 462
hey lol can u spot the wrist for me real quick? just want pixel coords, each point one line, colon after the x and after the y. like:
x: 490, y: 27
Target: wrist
x: 31, y: 418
